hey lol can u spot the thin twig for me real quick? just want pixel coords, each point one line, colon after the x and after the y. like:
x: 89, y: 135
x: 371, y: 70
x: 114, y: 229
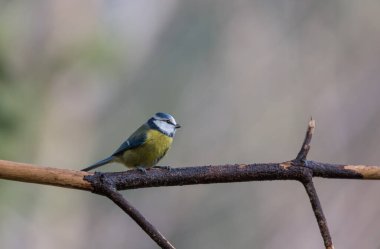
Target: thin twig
x: 307, y: 182
x: 302, y: 154
x: 318, y: 212
x: 119, y: 200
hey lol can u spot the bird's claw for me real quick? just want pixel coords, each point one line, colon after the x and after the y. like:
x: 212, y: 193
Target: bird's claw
x: 163, y: 167
x: 141, y: 169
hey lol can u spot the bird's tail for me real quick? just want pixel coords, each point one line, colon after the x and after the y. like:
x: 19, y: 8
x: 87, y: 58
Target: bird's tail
x: 98, y: 164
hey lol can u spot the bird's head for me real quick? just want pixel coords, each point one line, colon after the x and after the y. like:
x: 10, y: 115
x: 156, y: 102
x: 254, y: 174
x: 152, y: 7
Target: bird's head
x: 164, y: 123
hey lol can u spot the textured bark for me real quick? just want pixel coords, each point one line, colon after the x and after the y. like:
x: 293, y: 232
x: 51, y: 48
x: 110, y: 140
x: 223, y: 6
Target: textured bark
x: 108, y: 184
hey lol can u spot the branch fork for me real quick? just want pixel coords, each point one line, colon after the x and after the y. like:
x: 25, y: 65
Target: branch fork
x: 108, y: 184
x: 108, y: 187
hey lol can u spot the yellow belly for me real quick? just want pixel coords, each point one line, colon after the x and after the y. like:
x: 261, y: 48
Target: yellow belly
x: 148, y: 154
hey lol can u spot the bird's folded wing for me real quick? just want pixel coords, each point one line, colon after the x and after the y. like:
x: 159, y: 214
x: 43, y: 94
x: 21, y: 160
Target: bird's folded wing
x: 138, y: 138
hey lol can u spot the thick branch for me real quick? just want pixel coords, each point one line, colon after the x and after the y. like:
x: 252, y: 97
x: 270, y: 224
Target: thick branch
x: 133, y: 179
x: 24, y: 172
x: 233, y: 173
x: 108, y: 183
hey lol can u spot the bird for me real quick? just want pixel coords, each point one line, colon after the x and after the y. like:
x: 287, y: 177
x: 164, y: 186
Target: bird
x: 146, y: 146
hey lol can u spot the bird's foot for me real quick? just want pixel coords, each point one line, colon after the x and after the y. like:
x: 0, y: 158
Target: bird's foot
x: 141, y: 169
x: 163, y: 167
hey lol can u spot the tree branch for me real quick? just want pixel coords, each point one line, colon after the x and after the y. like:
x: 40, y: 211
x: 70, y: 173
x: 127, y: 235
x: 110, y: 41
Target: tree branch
x: 318, y: 212
x: 133, y: 179
x: 290, y: 170
x: 118, y: 199
x: 107, y: 184
x: 306, y: 142
x: 307, y: 182
x: 24, y: 172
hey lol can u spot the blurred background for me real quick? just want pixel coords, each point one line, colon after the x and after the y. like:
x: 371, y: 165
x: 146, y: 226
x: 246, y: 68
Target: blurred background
x: 242, y: 77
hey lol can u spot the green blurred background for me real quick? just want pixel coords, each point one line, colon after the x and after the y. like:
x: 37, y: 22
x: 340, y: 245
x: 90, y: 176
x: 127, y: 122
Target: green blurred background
x: 242, y: 77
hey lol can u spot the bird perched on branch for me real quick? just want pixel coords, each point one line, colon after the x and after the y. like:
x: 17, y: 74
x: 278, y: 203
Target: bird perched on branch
x: 146, y: 146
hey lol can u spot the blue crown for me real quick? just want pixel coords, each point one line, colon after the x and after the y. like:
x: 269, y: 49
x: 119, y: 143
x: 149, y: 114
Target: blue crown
x: 163, y: 115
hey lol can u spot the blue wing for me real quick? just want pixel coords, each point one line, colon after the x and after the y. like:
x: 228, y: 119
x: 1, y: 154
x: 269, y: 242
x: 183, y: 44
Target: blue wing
x: 137, y: 139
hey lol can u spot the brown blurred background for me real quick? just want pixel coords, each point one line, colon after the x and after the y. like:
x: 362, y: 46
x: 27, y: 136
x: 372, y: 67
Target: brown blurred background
x: 242, y: 77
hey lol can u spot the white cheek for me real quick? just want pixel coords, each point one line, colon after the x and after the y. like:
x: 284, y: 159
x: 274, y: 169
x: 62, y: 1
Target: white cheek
x: 168, y: 128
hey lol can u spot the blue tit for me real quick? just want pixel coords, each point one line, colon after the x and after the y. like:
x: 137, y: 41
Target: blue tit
x: 146, y: 146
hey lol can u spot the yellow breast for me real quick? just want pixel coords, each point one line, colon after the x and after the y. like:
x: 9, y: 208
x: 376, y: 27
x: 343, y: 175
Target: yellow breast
x: 148, y: 154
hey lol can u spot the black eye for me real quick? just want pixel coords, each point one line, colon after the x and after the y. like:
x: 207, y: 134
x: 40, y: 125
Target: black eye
x: 168, y: 121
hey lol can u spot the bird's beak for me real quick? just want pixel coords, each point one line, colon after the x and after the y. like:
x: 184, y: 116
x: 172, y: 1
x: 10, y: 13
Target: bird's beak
x: 177, y: 126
